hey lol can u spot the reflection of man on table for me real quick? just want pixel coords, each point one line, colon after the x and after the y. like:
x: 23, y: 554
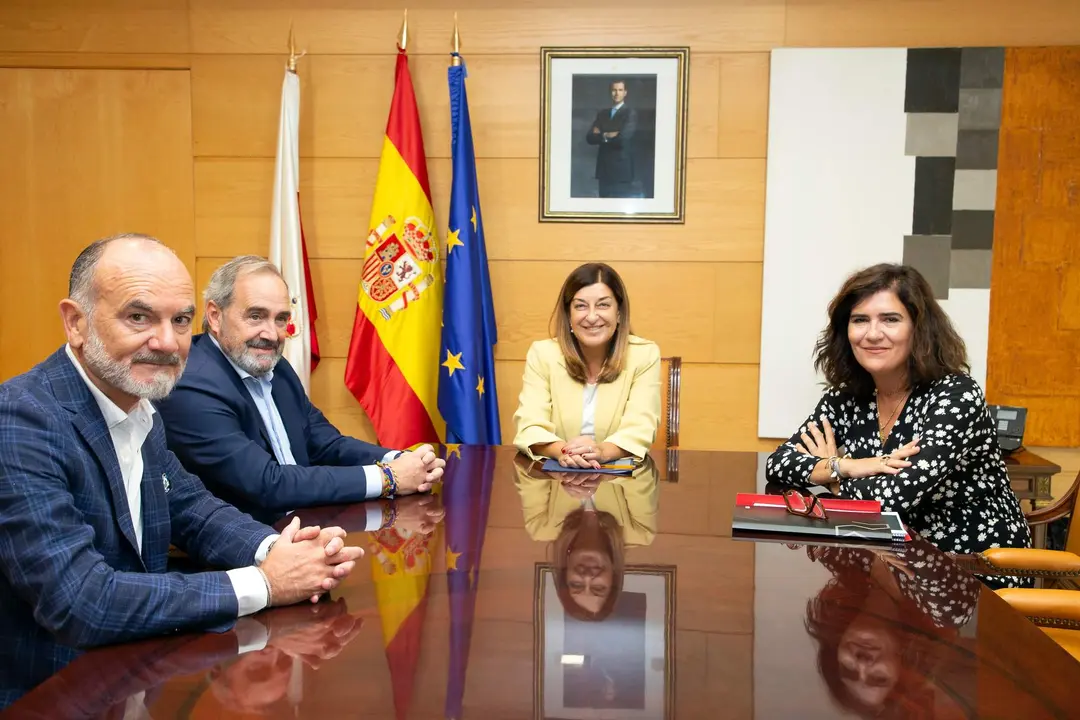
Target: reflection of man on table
x: 613, y: 130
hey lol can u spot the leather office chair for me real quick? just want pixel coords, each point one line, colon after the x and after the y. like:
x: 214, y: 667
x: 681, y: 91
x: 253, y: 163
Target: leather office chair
x: 667, y: 437
x: 1055, y: 605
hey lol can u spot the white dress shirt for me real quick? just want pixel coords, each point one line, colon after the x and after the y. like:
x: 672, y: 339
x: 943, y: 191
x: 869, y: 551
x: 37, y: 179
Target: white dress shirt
x: 588, y: 410
x: 261, y: 391
x: 129, y: 431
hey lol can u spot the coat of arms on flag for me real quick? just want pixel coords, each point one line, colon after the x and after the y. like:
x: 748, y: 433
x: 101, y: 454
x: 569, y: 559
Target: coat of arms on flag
x: 397, y: 269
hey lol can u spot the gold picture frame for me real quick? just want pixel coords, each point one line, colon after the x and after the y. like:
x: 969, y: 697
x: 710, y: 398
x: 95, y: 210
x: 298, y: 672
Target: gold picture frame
x: 630, y: 655
x: 613, y: 134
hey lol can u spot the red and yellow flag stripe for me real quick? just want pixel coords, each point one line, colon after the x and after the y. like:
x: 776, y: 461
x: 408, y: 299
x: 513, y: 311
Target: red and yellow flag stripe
x: 393, y: 361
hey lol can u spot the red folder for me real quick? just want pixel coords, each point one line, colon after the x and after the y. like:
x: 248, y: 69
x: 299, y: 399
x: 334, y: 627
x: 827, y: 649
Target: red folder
x: 830, y: 504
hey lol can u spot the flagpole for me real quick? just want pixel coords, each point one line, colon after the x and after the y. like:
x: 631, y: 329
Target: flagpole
x: 403, y: 36
x: 455, y: 43
x: 293, y: 57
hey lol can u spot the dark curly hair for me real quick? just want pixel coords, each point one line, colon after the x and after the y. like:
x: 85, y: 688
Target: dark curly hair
x: 937, y: 349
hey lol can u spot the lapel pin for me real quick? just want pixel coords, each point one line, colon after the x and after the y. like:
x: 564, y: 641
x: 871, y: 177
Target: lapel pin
x: 165, y: 481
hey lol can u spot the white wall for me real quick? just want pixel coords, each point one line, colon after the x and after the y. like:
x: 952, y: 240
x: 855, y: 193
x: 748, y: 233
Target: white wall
x: 839, y: 196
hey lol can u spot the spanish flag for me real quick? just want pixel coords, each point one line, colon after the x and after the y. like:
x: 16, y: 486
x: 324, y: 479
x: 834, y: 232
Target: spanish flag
x: 393, y: 361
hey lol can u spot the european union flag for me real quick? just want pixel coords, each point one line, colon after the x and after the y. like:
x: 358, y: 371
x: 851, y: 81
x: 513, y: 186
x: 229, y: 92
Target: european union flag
x: 466, y: 493
x: 467, y: 398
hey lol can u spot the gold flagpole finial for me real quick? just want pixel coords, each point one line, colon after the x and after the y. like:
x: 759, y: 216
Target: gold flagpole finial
x: 293, y: 57
x: 455, y: 58
x: 403, y: 36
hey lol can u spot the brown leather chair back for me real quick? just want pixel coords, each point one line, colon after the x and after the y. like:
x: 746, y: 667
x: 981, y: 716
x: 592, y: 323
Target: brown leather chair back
x: 665, y: 447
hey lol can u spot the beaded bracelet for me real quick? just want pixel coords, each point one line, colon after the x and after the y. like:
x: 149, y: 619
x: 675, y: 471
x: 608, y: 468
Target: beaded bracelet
x: 389, y: 485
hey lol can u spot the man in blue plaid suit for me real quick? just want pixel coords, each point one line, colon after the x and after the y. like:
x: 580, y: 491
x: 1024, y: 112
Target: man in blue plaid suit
x: 91, y: 498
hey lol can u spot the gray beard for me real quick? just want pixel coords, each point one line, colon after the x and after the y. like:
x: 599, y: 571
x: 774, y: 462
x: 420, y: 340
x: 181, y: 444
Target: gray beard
x: 119, y: 375
x: 249, y: 362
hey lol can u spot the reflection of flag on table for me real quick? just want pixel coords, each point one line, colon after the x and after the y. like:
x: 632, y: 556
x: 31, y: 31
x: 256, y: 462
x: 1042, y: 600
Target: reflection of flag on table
x: 467, y: 397
x: 400, y: 567
x: 466, y: 497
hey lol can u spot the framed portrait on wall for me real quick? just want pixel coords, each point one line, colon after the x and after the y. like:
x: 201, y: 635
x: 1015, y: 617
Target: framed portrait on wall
x: 617, y: 667
x: 613, y: 134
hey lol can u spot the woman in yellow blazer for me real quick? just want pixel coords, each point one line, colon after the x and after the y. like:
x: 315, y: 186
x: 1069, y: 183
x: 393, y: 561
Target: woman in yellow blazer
x: 592, y: 393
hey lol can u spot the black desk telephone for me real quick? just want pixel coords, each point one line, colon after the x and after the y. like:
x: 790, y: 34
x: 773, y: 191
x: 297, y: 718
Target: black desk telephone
x: 1010, y: 426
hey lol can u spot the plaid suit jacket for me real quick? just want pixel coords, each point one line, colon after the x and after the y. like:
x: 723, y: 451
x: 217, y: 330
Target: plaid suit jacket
x: 73, y: 576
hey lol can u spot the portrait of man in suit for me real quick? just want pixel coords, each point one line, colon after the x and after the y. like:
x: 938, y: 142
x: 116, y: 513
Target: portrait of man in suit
x: 614, y: 156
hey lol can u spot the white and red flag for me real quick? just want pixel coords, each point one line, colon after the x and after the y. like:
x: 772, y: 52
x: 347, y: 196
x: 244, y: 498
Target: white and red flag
x: 288, y: 250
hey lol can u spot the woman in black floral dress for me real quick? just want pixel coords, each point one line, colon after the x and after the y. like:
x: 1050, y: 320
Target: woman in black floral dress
x: 902, y: 422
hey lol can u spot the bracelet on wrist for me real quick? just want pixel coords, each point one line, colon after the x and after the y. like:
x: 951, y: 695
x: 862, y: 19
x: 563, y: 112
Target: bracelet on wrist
x: 834, y: 466
x: 269, y: 590
x: 389, y: 480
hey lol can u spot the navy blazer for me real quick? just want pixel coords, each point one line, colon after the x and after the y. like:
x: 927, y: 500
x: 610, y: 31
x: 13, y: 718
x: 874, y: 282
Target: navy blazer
x: 73, y: 576
x: 214, y: 427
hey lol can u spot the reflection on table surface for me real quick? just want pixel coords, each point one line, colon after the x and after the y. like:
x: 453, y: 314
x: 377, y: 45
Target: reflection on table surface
x: 513, y: 593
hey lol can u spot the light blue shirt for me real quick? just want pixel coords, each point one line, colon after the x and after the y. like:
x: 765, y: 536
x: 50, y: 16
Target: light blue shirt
x: 260, y: 390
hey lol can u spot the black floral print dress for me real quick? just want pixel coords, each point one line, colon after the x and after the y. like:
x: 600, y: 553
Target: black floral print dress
x: 941, y: 591
x: 956, y: 494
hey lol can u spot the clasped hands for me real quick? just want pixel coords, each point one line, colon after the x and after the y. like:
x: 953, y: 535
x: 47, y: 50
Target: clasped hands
x: 821, y: 442
x: 307, y: 562
x: 417, y: 470
x: 583, y: 452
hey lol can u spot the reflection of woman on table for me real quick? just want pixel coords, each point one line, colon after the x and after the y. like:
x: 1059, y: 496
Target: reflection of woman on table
x: 590, y: 519
x: 884, y: 623
x: 915, y: 426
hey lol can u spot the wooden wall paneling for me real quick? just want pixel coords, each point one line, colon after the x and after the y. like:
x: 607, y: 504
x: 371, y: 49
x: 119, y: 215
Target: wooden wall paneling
x: 727, y: 222
x: 233, y: 203
x: 737, y: 323
x: 234, y: 27
x: 88, y: 153
x: 508, y: 379
x: 719, y: 407
x: 329, y: 394
x: 929, y: 23
x: 703, y: 118
x: 345, y: 101
x: 236, y: 104
x: 744, y: 105
x: 94, y: 26
x: 95, y: 61
x: 1069, y: 320
x: 1034, y: 337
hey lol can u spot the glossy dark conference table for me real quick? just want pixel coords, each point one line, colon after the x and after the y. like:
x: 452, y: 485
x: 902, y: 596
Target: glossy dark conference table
x: 459, y: 616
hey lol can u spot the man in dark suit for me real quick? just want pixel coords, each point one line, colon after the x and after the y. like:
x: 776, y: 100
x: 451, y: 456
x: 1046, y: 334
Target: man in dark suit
x: 613, y: 133
x: 91, y: 498
x: 240, y: 419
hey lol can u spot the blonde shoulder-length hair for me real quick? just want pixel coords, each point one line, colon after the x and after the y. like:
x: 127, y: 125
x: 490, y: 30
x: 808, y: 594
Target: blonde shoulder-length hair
x: 583, y: 276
